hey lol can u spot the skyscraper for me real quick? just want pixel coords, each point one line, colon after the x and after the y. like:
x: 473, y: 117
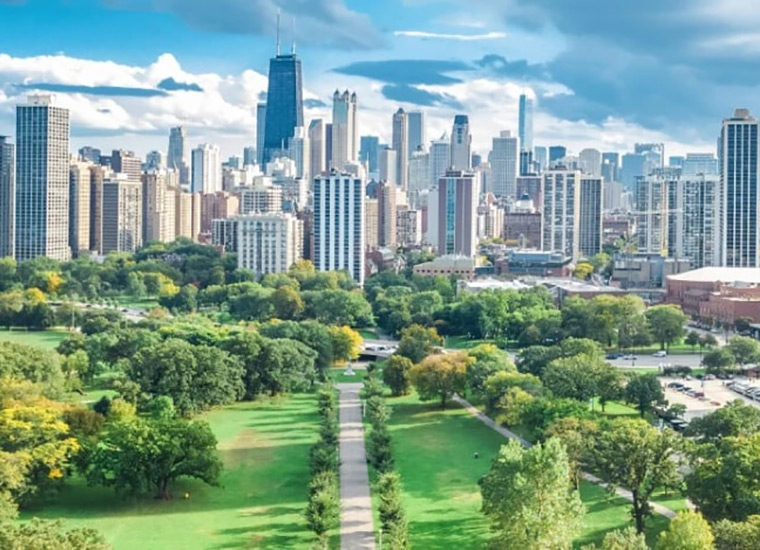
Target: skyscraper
x: 328, y: 147
x: 526, y: 123
x: 386, y: 214
x: 740, y: 201
x: 590, y: 162
x: 561, y: 212
x: 401, y: 146
x: 556, y: 152
x: 388, y: 165
x: 440, y: 158
x: 657, y: 150
x: 261, y: 122
x: 419, y: 176
x: 700, y: 163
x: 457, y: 214
x: 156, y: 209
x: 698, y: 213
x: 316, y: 147
x: 633, y: 167
x: 339, y: 224
x: 269, y: 243
x: 416, y: 124
x: 369, y: 152
x: 126, y: 162
x: 122, y: 214
x: 80, y: 188
x: 504, y: 158
x: 655, y: 203
x: 7, y: 196
x: 611, y: 166
x: 42, y: 180
x: 461, y: 143
x: 177, y: 158
x: 344, y: 131
x: 590, y: 212
x: 89, y: 154
x: 541, y: 158
x: 298, y: 152
x: 284, y: 109
x: 207, y: 169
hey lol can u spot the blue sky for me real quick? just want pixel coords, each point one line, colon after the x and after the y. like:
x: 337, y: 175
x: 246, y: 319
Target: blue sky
x: 604, y: 74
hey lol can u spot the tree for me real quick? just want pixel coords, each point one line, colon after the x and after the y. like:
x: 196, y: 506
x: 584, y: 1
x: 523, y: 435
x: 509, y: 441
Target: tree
x: 723, y: 482
x: 636, y: 456
x: 287, y: 303
x: 574, y: 377
x: 736, y: 419
x: 707, y: 341
x: 183, y: 301
x: 346, y: 344
x: 527, y: 497
x: 644, y: 391
x: 718, y: 359
x: 688, y: 531
x: 396, y: 374
x: 583, y: 271
x: 283, y: 366
x: 692, y: 339
x: 499, y: 384
x: 392, y: 516
x: 744, y: 349
x: 730, y: 535
x: 622, y: 539
x: 742, y: 324
x: 610, y: 385
x: 488, y: 360
x: 144, y: 455
x: 417, y: 342
x: 44, y: 535
x: 577, y: 435
x: 323, y: 510
x: 600, y: 262
x: 440, y: 376
x: 666, y: 323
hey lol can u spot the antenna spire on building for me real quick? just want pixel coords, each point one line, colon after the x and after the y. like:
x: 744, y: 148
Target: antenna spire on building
x: 293, y: 48
x: 278, y: 31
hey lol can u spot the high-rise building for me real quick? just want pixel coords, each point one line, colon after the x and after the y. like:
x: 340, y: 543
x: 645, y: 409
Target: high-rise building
x: 561, y: 212
x: 369, y: 152
x: 590, y: 162
x: 249, y: 156
x: 126, y: 162
x: 634, y: 166
x: 155, y: 160
x: 122, y: 214
x: 178, y: 158
x: 541, y: 158
x: 611, y: 167
x: 525, y: 123
x: 386, y: 214
x: 388, y: 165
x: 339, y: 224
x: 556, y: 152
x: 89, y: 154
x: 740, y: 200
x: 80, y: 188
x: 97, y: 174
x: 328, y: 147
x: 158, y: 211
x: 371, y: 231
x: 440, y: 159
x: 207, y: 169
x: 656, y: 156
x: 408, y: 226
x: 530, y: 186
x: 317, y: 153
x: 656, y: 210
x: 261, y: 122
x: 461, y: 144
x: 698, y: 215
x: 345, y: 143
x: 457, y: 214
x: 504, y: 158
x: 401, y: 146
x: 416, y: 123
x: 419, y: 176
x: 700, y: 163
x: 299, y: 153
x: 676, y: 161
x: 218, y: 206
x: 284, y: 103
x: 590, y: 225
x: 42, y: 180
x: 7, y: 196
x: 261, y: 198
x: 187, y: 214
x: 269, y: 243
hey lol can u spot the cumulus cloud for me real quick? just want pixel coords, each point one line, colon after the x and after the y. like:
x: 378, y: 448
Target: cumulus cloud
x: 455, y: 37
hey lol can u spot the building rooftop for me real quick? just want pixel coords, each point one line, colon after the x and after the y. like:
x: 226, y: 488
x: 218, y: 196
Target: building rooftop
x: 491, y: 284
x: 720, y: 274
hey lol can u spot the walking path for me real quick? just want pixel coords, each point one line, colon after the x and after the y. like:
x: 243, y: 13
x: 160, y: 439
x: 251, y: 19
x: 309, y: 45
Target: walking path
x: 356, y: 526
x: 660, y: 509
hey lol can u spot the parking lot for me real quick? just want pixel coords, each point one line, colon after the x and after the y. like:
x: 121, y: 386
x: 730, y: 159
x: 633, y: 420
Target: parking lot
x: 716, y: 394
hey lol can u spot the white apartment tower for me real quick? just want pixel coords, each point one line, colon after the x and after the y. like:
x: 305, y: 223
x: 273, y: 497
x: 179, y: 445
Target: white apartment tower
x: 269, y: 243
x: 207, y: 169
x: 339, y: 224
x: 316, y: 147
x: 42, y: 180
x: 400, y: 144
x: 461, y: 144
x: 504, y: 159
x: 345, y: 137
x: 560, y: 221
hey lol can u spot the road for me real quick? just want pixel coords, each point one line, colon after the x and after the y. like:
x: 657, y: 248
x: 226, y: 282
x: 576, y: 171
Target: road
x: 649, y: 361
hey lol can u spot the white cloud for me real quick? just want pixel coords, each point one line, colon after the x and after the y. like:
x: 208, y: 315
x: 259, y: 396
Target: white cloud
x: 457, y: 37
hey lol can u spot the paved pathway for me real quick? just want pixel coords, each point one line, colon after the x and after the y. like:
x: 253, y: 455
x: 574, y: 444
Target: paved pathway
x: 356, y: 527
x: 662, y: 510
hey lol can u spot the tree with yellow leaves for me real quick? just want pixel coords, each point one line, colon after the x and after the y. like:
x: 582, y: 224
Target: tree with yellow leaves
x: 346, y: 344
x: 440, y: 376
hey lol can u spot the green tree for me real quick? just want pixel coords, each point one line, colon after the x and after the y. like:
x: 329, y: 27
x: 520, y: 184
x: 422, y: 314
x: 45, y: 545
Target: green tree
x: 688, y: 531
x: 666, y: 323
x: 287, y: 303
x: 731, y: 535
x: 718, y: 359
x: 392, y: 516
x: 610, y: 385
x: 528, y: 498
x: 636, y: 456
x: 574, y: 377
x: 488, y: 360
x: 622, y: 539
x: 736, y: 419
x: 396, y: 374
x: 145, y: 455
x: 744, y: 349
x: 440, y: 376
x: 323, y: 510
x: 692, y: 339
x: 707, y: 341
x: 46, y: 535
x: 417, y: 342
x: 8, y: 268
x: 644, y: 391
x: 577, y: 435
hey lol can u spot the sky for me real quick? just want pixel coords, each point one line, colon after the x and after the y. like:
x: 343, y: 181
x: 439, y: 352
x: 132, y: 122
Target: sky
x: 603, y: 74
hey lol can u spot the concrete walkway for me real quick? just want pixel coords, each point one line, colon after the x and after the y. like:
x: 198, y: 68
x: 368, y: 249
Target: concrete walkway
x: 658, y: 508
x: 356, y: 526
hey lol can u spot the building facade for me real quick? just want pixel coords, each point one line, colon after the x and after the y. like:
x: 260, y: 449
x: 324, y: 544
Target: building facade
x: 504, y: 160
x: 561, y: 212
x: 206, y: 169
x: 80, y: 188
x: 400, y: 143
x: 122, y: 215
x: 7, y: 196
x: 525, y: 123
x: 457, y: 214
x: 461, y: 144
x: 590, y: 225
x: 269, y: 243
x: 284, y: 111
x: 345, y: 140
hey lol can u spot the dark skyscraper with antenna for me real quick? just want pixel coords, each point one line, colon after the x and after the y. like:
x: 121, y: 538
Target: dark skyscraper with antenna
x: 284, y: 100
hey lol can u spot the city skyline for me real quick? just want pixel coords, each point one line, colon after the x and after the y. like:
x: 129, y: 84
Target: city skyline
x: 189, y: 75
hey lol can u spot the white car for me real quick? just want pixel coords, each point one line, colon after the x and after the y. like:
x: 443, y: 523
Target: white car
x: 661, y: 353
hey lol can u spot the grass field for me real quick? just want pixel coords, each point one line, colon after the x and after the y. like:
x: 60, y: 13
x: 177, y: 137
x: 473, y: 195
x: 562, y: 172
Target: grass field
x: 368, y: 333
x: 260, y: 503
x: 463, y: 342
x: 434, y: 455
x: 337, y: 375
x: 137, y: 303
x: 46, y: 339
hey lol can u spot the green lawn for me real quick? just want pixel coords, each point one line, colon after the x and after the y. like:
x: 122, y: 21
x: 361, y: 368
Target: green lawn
x: 463, y: 342
x: 368, y: 333
x: 434, y: 455
x: 260, y: 503
x: 46, y: 339
x: 613, y: 408
x: 337, y: 375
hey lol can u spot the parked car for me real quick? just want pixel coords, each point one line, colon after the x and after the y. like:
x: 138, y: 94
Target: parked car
x: 615, y: 355
x: 661, y: 353
x: 678, y: 425
x: 709, y: 377
x: 675, y: 385
x: 630, y: 357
